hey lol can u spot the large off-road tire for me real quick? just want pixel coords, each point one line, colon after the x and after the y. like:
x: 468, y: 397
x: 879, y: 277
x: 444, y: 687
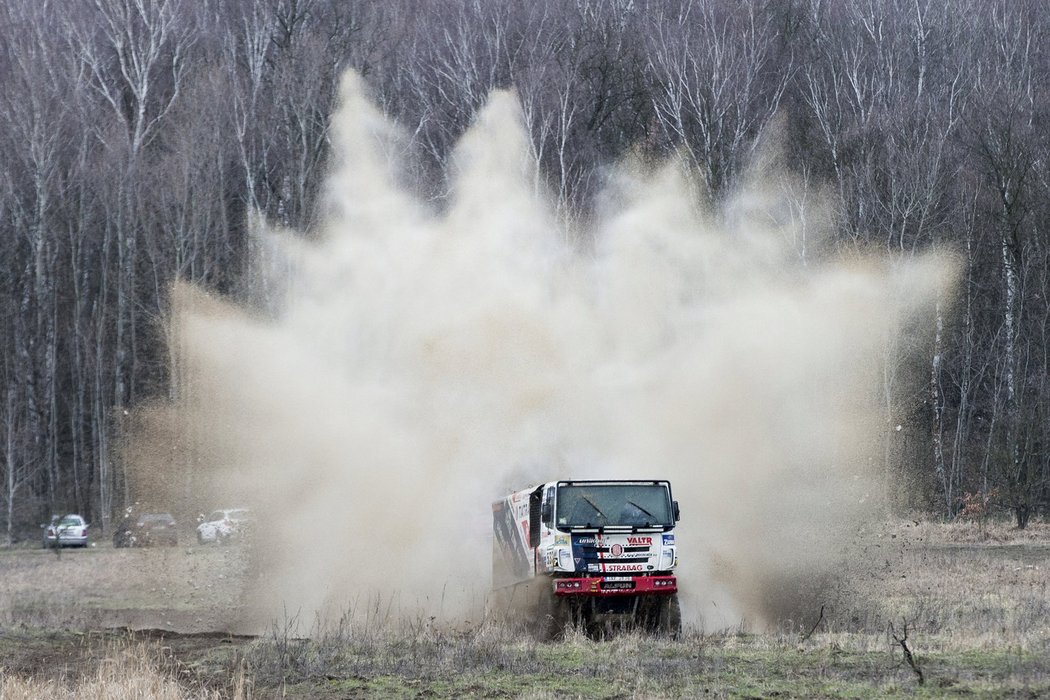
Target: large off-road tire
x: 551, y: 617
x: 669, y: 617
x: 660, y: 615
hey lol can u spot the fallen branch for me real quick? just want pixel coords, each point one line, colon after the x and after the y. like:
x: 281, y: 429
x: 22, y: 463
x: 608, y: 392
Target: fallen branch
x: 907, y: 652
x: 820, y: 618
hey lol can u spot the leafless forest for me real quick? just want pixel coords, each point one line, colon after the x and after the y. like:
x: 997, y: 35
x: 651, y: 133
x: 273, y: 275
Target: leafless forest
x: 139, y: 137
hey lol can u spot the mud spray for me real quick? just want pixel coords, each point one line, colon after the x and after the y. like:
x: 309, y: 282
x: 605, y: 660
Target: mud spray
x: 400, y: 368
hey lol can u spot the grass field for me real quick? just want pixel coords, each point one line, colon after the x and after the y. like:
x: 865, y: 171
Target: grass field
x: 970, y: 603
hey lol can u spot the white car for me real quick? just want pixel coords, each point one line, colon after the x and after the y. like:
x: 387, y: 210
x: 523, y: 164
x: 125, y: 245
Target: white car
x: 66, y: 531
x: 224, y: 525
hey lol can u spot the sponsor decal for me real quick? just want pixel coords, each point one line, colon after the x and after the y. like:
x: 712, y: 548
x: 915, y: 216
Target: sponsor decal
x: 561, y: 539
x: 592, y: 567
x: 585, y: 541
x: 635, y: 541
x: 616, y: 550
x: 669, y: 539
x: 624, y: 567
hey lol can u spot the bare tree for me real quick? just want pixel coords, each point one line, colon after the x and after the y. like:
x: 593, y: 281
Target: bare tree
x: 141, y: 136
x: 1004, y: 141
x: 131, y: 55
x: 718, y: 83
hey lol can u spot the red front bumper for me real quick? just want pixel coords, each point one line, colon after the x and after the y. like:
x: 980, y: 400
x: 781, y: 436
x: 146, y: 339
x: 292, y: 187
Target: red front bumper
x: 615, y: 585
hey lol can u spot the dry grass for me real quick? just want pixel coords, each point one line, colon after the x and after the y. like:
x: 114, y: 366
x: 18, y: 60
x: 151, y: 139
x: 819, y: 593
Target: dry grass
x: 975, y: 531
x: 500, y: 662
x: 185, y: 588
x: 975, y: 598
x: 127, y: 670
x: 958, y: 586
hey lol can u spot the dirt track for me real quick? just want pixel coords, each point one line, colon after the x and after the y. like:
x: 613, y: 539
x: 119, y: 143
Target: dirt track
x: 63, y: 654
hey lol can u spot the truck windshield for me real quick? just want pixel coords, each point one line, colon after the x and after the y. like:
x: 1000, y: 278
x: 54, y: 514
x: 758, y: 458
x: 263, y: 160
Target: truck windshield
x: 624, y: 505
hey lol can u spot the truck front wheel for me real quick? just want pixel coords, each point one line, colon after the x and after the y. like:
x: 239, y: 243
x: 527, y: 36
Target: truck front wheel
x: 661, y: 615
x: 669, y: 616
x: 552, y: 617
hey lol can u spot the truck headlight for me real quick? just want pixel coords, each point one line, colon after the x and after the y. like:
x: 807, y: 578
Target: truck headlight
x: 565, y: 560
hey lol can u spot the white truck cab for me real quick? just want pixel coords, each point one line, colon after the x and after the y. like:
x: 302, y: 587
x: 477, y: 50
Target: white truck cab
x: 590, y: 551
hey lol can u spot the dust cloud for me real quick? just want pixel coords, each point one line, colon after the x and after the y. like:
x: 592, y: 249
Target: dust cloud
x: 400, y: 367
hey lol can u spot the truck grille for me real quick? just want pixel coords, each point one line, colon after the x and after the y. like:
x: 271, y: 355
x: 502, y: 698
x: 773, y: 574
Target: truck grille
x: 592, y: 554
x: 604, y: 550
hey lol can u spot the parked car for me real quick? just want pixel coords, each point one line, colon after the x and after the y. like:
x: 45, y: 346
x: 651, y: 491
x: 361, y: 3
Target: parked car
x: 66, y: 531
x: 146, y: 530
x: 224, y: 525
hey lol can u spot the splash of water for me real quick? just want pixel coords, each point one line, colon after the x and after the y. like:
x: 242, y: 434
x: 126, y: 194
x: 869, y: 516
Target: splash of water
x: 405, y: 367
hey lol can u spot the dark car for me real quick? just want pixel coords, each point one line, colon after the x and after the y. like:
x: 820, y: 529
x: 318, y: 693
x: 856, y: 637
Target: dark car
x: 147, y: 529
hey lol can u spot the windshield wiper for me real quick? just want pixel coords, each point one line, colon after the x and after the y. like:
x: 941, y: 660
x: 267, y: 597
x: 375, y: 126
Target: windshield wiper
x: 596, y: 508
x: 642, y: 509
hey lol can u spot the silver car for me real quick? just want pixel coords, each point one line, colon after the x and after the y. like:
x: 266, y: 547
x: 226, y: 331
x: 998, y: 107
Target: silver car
x: 225, y: 525
x: 66, y: 531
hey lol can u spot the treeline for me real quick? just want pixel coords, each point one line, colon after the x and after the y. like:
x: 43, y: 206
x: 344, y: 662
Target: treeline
x: 138, y: 136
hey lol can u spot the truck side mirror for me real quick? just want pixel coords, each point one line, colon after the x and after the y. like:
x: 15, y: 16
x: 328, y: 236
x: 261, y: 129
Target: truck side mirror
x: 545, y: 512
x: 674, y: 509
x: 535, y: 507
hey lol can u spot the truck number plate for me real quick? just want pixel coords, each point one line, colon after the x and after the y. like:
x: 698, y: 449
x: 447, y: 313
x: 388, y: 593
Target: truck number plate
x: 618, y: 586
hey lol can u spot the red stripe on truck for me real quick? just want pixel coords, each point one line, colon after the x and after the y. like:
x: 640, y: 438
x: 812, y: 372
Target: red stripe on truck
x: 593, y: 585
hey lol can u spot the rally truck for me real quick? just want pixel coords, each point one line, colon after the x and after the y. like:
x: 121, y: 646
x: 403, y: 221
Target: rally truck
x: 596, y: 554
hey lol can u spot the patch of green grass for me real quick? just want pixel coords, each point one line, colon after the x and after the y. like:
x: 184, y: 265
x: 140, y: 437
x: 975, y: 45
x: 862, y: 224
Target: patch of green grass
x: 638, y: 666
x: 630, y: 666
